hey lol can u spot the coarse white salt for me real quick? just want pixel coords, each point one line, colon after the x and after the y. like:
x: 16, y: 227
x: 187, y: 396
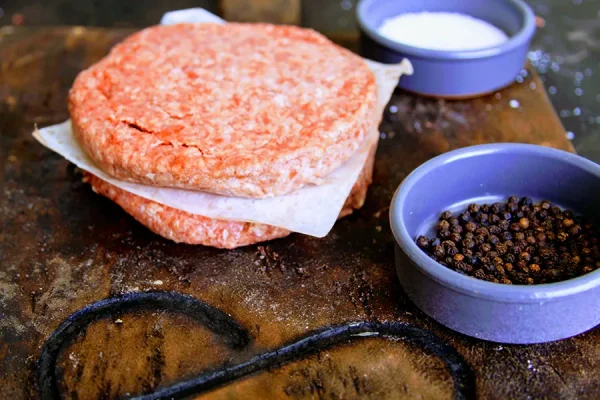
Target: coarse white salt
x: 442, y: 31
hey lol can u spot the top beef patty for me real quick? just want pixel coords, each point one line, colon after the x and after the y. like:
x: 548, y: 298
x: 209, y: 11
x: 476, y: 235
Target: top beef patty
x: 252, y: 110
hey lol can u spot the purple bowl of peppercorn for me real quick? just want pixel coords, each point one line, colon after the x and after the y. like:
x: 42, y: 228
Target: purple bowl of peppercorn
x: 517, y: 313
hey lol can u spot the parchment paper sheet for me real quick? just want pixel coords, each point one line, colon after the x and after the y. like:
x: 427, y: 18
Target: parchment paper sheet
x: 311, y: 210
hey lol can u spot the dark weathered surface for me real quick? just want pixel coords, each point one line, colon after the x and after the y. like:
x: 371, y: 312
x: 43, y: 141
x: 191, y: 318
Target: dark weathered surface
x: 63, y: 247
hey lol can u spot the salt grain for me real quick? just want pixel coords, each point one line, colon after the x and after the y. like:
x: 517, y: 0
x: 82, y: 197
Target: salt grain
x: 442, y: 31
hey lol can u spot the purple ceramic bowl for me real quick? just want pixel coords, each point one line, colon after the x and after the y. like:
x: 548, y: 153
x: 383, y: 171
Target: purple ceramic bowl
x: 486, y: 174
x: 451, y: 74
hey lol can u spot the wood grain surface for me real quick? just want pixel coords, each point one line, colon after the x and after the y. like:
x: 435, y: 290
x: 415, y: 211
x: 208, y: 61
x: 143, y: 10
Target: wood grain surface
x: 62, y: 247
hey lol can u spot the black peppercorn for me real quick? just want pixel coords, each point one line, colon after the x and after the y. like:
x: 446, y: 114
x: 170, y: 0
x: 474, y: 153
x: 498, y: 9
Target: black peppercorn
x: 480, y: 274
x: 447, y: 244
x: 482, y: 217
x: 452, y: 251
x: 464, y: 217
x: 473, y: 208
x: 438, y: 251
x: 495, y: 230
x: 456, y: 229
x: 525, y: 256
x: 519, y: 236
x: 515, y: 227
x: 513, y: 200
x: 519, y: 214
x: 493, y: 239
x: 504, y: 225
x: 470, y: 227
x: 497, y: 207
x: 568, y: 214
x: 562, y: 236
x: 470, y: 259
x: 455, y: 237
x: 445, y: 215
x: 443, y: 225
x: 555, y: 211
x: 485, y: 248
x: 575, y: 230
x: 510, y: 258
x: 444, y: 234
x: 453, y: 221
x: 501, y: 248
x: 423, y: 242
x: 463, y: 266
x: 525, y: 201
x: 468, y: 243
x: 546, y: 205
x: 483, y: 231
x: 507, y: 235
x: 524, y: 223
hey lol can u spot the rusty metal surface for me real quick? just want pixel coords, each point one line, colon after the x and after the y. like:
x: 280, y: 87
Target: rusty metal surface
x: 62, y: 247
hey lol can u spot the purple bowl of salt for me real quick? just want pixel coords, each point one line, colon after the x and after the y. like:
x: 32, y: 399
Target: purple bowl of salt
x: 458, y: 49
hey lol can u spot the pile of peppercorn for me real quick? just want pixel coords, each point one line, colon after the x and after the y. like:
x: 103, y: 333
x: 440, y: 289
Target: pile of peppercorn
x: 516, y: 242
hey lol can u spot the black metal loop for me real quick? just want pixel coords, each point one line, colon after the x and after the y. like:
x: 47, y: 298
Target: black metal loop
x: 237, y: 338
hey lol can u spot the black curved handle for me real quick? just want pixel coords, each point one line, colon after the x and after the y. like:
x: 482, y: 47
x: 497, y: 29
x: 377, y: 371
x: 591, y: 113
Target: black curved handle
x: 236, y: 337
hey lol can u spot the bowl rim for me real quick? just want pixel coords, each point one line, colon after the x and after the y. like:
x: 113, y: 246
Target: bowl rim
x: 523, y: 36
x: 473, y: 286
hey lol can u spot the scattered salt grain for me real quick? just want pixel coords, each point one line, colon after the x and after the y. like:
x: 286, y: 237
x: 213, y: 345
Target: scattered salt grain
x: 514, y: 103
x: 570, y: 135
x: 578, y: 91
x: 442, y: 31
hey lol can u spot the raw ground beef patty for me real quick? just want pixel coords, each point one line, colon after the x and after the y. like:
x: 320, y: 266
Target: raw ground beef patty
x: 181, y: 226
x: 249, y: 110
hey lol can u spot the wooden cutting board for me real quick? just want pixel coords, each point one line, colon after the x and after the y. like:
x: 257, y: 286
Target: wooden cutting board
x: 63, y: 248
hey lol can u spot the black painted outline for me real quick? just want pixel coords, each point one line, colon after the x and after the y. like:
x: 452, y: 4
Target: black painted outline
x: 236, y: 337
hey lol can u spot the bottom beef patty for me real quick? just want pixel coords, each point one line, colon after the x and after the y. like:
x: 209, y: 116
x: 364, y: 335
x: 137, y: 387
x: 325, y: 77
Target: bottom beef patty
x: 181, y: 226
